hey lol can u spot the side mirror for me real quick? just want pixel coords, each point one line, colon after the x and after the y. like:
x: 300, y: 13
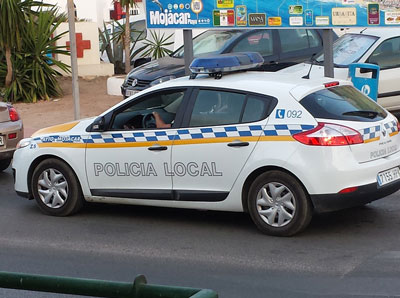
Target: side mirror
x: 99, y: 124
x: 140, y: 61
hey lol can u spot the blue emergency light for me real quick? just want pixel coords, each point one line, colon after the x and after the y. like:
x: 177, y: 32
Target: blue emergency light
x: 225, y: 63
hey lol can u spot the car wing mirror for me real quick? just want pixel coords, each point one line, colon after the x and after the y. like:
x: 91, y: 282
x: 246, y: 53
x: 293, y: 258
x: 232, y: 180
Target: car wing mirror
x: 99, y: 124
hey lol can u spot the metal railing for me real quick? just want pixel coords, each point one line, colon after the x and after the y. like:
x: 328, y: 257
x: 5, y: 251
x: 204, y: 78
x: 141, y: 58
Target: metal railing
x: 98, y: 288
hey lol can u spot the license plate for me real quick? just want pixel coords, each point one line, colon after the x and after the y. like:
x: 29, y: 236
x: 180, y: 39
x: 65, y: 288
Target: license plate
x: 130, y: 92
x: 388, y: 176
x: 1, y: 141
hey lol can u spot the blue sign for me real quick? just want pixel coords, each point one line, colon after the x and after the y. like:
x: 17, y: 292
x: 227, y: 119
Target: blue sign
x: 271, y: 13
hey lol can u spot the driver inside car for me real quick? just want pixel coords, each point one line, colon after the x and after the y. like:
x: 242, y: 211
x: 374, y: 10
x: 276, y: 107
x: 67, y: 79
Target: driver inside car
x: 160, y: 123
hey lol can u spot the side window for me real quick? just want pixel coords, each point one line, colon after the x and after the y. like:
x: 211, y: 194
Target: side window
x: 156, y: 110
x: 255, y: 109
x: 314, y: 39
x: 213, y: 107
x: 387, y: 54
x: 138, y: 30
x: 260, y: 42
x: 293, y: 40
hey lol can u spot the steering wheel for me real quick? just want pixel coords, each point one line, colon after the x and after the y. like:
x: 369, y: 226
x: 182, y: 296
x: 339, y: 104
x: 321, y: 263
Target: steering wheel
x: 149, y: 121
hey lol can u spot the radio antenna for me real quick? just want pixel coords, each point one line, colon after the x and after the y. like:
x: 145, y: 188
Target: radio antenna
x: 307, y: 76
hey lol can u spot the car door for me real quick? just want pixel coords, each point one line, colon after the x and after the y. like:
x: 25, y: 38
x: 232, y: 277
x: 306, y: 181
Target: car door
x: 387, y: 56
x: 261, y: 41
x: 221, y: 129
x: 127, y: 159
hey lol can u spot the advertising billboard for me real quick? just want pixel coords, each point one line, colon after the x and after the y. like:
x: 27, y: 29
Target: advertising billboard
x: 190, y: 14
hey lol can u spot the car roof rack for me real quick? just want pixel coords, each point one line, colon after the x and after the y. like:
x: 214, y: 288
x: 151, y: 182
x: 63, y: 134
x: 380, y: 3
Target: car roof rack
x: 217, y: 65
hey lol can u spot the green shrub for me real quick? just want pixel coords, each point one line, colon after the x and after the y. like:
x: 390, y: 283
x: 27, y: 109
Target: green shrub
x: 34, y: 78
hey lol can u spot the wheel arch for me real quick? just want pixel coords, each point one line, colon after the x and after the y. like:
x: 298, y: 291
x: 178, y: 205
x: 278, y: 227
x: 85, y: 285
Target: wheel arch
x: 37, y: 161
x: 257, y: 172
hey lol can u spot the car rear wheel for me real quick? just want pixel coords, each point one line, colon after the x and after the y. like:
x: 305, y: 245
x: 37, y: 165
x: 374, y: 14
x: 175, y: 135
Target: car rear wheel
x: 56, y: 189
x: 278, y: 204
x: 4, y: 163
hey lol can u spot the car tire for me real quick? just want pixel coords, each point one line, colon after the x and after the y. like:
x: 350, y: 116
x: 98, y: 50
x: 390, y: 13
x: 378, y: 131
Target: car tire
x: 4, y: 163
x: 278, y: 204
x: 56, y: 188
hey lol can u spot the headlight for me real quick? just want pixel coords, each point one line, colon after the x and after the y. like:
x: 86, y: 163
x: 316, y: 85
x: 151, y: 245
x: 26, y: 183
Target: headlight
x: 23, y: 143
x: 162, y: 79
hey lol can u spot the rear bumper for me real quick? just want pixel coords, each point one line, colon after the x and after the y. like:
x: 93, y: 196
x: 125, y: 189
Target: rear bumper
x: 363, y: 195
x: 7, y: 154
x: 7, y: 128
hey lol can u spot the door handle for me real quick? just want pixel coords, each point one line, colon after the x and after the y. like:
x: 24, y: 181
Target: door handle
x: 157, y: 148
x: 238, y: 144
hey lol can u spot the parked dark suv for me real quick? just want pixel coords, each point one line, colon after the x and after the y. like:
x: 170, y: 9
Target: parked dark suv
x: 279, y: 47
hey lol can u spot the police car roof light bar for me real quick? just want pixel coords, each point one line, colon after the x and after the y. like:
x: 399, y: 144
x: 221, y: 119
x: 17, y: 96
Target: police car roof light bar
x: 216, y: 65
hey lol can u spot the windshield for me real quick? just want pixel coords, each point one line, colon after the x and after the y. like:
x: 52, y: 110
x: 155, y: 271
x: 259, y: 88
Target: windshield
x: 349, y: 48
x: 209, y: 42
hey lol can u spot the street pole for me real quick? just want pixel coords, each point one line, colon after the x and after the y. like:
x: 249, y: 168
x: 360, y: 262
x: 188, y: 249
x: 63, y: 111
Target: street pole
x: 188, y: 49
x: 74, y: 58
x: 327, y: 37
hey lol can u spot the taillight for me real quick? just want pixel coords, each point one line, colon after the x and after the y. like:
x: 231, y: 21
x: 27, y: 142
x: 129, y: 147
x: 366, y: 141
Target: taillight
x: 328, y: 134
x: 13, y: 113
x: 12, y: 136
x: 331, y: 84
x: 398, y: 125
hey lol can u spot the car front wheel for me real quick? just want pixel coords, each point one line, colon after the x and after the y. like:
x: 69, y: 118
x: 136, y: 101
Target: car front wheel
x: 278, y: 204
x: 56, y: 188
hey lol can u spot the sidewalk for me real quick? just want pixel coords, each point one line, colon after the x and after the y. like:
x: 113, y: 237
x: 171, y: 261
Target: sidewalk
x: 93, y: 101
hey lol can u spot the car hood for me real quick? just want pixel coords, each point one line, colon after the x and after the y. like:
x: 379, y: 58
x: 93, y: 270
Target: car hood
x: 159, y: 68
x: 75, y: 127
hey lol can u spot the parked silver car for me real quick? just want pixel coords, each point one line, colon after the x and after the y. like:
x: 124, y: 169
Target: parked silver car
x: 11, y: 132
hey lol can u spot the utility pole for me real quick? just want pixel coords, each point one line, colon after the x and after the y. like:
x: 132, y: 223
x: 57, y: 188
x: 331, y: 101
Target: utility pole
x: 187, y: 49
x: 327, y: 36
x: 74, y: 58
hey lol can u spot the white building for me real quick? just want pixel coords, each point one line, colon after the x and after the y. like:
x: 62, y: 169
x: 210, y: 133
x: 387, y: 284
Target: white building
x: 97, y: 11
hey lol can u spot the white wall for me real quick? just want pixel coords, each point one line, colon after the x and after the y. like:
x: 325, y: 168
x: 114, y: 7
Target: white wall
x: 93, y: 10
x: 97, y: 11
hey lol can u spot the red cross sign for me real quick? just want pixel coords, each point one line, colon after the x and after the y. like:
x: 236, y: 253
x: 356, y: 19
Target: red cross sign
x: 80, y: 45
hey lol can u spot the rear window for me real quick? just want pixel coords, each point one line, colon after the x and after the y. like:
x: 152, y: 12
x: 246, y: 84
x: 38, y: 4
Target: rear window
x: 343, y: 103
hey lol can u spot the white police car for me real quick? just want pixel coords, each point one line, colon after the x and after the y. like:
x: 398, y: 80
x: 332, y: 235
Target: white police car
x: 276, y: 147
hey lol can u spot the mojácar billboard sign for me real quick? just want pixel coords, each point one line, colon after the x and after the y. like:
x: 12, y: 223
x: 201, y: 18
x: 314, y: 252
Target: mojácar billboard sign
x: 271, y: 13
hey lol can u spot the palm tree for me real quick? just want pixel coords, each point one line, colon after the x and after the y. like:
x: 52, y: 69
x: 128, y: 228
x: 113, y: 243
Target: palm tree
x: 127, y: 40
x: 13, y: 15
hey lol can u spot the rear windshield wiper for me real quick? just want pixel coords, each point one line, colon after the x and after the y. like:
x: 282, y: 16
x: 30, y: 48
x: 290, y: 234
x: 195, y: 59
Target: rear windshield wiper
x: 365, y: 114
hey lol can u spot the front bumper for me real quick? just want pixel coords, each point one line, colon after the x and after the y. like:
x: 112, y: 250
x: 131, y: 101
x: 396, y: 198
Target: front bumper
x: 363, y: 195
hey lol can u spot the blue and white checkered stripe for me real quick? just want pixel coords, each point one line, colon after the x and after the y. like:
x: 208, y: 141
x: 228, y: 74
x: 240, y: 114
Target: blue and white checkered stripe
x: 374, y: 131
x: 391, y: 126
x: 286, y: 129
x: 370, y: 132
x: 128, y: 137
x: 179, y: 134
x: 219, y: 132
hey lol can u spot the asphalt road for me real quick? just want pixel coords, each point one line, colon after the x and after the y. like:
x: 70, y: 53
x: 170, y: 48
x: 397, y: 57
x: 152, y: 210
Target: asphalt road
x: 352, y: 253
